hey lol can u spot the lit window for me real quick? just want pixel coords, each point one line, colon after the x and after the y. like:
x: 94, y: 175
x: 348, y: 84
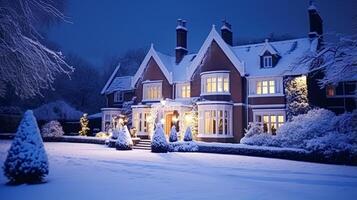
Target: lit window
x: 118, y: 96
x: 267, y: 61
x: 271, y: 122
x: 216, y: 122
x: 215, y: 83
x: 265, y: 87
x: 330, y: 91
x: 152, y: 91
x: 140, y: 121
x: 183, y: 90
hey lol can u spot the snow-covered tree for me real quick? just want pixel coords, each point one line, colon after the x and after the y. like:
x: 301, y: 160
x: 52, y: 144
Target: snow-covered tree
x: 173, y: 134
x: 124, y: 141
x: 26, y: 63
x: 296, y: 96
x: 337, y: 60
x: 188, y: 135
x: 159, y: 143
x: 52, y: 129
x: 26, y: 161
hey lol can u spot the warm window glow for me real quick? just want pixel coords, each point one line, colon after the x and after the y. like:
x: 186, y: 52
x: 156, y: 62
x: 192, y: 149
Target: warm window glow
x: 266, y: 87
x: 216, y: 122
x: 271, y: 122
x: 267, y: 61
x: 140, y: 121
x: 215, y: 83
x: 152, y: 91
x: 330, y: 91
x: 183, y: 90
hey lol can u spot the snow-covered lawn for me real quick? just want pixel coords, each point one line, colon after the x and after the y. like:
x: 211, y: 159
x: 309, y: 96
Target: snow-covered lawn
x: 91, y: 171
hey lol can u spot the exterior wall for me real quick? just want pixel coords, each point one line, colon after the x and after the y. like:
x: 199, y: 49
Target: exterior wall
x: 266, y: 100
x: 239, y: 122
x: 217, y: 60
x: 151, y: 73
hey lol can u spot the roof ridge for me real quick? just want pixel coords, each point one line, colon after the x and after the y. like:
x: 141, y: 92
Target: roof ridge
x: 274, y: 42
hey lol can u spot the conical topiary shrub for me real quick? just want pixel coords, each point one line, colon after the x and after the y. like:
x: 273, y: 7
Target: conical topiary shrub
x: 124, y: 141
x: 188, y: 135
x: 173, y: 134
x: 26, y: 161
x: 159, y: 143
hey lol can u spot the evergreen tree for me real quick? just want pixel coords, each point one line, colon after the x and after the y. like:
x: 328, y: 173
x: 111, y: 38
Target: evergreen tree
x: 173, y: 134
x: 296, y: 96
x: 159, y: 143
x: 124, y: 141
x: 26, y: 161
x: 188, y: 135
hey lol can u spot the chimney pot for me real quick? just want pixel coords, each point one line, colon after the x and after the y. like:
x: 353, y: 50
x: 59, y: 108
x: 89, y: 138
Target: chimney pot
x: 226, y: 32
x: 181, y: 40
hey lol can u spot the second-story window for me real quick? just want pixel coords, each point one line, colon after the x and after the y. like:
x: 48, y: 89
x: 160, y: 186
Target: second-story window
x: 213, y: 83
x: 330, y: 91
x: 152, y: 91
x: 267, y: 61
x: 118, y: 96
x: 266, y: 87
x: 183, y: 90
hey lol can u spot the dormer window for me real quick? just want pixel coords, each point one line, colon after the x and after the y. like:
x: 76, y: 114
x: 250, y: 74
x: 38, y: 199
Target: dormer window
x: 267, y: 61
x: 215, y: 83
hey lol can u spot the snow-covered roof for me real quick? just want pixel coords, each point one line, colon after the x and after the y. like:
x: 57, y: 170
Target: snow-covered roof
x: 246, y: 58
x: 289, y: 50
x: 120, y: 84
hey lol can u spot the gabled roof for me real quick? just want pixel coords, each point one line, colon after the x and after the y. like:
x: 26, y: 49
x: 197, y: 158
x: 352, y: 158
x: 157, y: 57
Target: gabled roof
x: 268, y: 47
x: 214, y: 36
x: 151, y: 54
x: 289, y: 50
x: 110, y: 79
x: 121, y: 83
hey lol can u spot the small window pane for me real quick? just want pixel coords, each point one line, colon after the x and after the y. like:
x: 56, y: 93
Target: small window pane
x: 214, y: 84
x: 219, y: 84
x: 226, y: 85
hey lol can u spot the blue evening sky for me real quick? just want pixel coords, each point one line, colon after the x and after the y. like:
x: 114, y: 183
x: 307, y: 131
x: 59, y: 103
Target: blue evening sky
x: 102, y: 29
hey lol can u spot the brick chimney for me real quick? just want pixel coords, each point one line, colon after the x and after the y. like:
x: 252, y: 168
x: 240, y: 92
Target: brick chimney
x: 181, y: 40
x: 315, y: 21
x: 226, y: 32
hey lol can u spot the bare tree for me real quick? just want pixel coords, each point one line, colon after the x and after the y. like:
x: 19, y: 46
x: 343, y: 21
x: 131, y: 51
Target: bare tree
x: 26, y: 64
x: 337, y: 60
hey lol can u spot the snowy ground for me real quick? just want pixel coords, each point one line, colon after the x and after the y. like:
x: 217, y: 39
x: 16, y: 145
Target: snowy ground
x: 90, y: 171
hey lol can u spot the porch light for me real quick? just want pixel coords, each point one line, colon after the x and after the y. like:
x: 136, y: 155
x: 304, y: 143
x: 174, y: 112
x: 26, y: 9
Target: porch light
x: 188, y: 118
x: 174, y: 119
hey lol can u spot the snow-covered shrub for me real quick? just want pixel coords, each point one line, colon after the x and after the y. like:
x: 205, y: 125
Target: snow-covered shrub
x: 159, y: 143
x: 124, y: 141
x: 255, y: 135
x: 26, y: 161
x: 58, y: 110
x: 183, y: 146
x: 253, y: 129
x: 173, y: 134
x: 296, y: 133
x: 52, y: 129
x: 188, y: 135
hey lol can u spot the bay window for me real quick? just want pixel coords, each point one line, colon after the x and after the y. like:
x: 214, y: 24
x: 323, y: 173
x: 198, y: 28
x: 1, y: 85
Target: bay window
x: 216, y: 82
x: 215, y: 120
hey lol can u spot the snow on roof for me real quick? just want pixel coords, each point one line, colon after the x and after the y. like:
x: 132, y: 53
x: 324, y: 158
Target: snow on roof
x: 289, y: 50
x: 120, y: 84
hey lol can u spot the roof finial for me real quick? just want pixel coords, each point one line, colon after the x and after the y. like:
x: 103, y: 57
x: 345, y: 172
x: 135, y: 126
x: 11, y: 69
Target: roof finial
x: 213, y: 26
x: 151, y: 45
x: 266, y: 40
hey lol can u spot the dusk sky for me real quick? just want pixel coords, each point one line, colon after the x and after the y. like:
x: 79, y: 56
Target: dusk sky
x: 107, y: 28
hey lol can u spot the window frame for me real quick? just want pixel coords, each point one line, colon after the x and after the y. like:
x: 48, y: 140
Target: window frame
x: 183, y: 88
x: 276, y: 114
x: 118, y: 96
x: 267, y: 61
x: 149, y: 90
x: 256, y: 83
x: 215, y: 83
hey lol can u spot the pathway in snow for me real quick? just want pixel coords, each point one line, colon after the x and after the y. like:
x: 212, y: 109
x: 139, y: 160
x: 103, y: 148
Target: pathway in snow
x: 89, y: 171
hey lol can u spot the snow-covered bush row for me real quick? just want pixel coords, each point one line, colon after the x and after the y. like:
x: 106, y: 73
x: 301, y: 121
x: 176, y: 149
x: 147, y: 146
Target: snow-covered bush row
x: 124, y: 141
x: 26, y: 161
x: 52, y: 129
x: 319, y: 131
x: 57, y: 110
x: 159, y: 143
x: 190, y: 146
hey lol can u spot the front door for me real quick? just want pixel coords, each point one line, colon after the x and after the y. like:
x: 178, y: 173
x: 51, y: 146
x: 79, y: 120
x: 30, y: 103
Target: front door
x: 168, y: 123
